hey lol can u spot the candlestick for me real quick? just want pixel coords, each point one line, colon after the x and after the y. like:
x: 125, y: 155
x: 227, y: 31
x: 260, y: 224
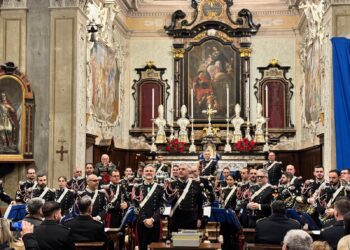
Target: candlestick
x: 153, y: 103
x: 192, y: 103
x: 267, y: 101
x: 228, y: 101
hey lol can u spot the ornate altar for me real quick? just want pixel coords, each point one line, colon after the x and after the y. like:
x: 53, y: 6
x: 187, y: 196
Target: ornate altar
x: 16, y: 115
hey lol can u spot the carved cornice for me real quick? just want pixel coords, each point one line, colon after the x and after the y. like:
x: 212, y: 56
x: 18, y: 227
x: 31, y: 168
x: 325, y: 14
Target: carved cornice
x: 81, y: 4
x: 11, y: 4
x: 165, y: 12
x: 340, y: 2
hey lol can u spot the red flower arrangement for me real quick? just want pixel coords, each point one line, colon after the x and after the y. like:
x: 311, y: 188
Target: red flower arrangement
x: 245, y: 145
x: 175, y: 146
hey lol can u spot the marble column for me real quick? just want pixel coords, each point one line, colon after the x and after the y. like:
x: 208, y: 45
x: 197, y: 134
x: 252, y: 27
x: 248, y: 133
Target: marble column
x: 68, y: 88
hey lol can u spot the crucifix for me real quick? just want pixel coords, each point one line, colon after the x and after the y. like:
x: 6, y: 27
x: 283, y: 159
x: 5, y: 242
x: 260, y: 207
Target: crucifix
x: 61, y: 151
x: 210, y: 112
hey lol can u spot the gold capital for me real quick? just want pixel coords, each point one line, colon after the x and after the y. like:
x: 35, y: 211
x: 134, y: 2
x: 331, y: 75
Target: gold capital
x: 245, y: 52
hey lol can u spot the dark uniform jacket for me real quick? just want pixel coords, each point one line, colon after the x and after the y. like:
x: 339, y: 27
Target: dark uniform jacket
x: 24, y: 190
x: 208, y: 167
x: 77, y: 184
x: 264, y: 198
x: 274, y: 170
x: 273, y: 229
x: 49, y: 196
x: 3, y: 196
x: 86, y: 229
x: 333, y: 234
x: 154, y: 205
x: 99, y: 206
x: 52, y: 236
x: 104, y: 171
x: 30, y: 243
x: 67, y: 200
x: 231, y: 202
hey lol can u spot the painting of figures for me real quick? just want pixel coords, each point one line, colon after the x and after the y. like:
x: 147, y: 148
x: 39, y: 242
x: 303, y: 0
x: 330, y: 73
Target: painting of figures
x: 105, y: 80
x: 211, y: 67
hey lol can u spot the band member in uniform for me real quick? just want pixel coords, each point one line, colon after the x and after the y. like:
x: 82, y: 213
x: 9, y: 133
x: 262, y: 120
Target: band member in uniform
x: 42, y: 191
x: 225, y: 173
x: 26, y: 187
x: 274, y: 169
x: 78, y: 182
x: 296, y: 181
x: 148, y: 201
x: 208, y: 166
x: 244, y: 176
x: 89, y: 169
x: 345, y: 175
x: 162, y: 171
x: 186, y: 198
x: 117, y: 200
x: 328, y: 193
x: 206, y: 184
x: 259, y: 203
x: 104, y: 168
x: 64, y: 196
x: 286, y: 190
x: 228, y: 201
x: 98, y: 198
x: 175, y: 172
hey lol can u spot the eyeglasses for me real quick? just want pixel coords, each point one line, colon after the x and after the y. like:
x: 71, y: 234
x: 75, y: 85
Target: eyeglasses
x: 94, y: 180
x: 260, y: 176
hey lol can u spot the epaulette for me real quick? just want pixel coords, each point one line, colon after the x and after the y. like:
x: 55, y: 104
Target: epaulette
x: 137, y: 184
x: 106, y: 186
x: 81, y: 192
x: 102, y: 191
x: 73, y: 191
x: 52, y: 189
x: 21, y: 182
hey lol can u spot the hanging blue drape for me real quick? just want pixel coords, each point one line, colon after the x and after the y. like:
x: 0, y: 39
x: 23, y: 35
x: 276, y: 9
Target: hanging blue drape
x: 341, y: 80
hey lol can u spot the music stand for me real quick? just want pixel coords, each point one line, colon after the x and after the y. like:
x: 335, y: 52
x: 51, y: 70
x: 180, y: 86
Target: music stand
x: 223, y: 215
x: 15, y: 212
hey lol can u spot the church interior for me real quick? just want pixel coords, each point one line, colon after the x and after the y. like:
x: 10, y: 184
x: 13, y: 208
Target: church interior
x: 136, y: 79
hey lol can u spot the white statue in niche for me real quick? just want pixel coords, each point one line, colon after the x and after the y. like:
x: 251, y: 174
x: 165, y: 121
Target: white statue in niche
x: 161, y: 123
x: 237, y: 122
x: 183, y: 122
x: 260, y: 121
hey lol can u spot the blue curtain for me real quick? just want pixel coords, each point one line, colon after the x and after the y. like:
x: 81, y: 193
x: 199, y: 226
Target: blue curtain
x: 341, y: 79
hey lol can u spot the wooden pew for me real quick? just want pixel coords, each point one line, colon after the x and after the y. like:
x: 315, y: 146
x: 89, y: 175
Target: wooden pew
x: 89, y: 245
x: 254, y: 246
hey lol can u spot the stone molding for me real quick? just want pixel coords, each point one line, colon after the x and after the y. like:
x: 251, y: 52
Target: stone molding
x: 11, y: 4
x: 81, y: 4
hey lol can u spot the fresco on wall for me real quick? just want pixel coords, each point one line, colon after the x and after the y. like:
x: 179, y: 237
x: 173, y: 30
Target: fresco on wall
x: 313, y: 93
x: 105, y: 74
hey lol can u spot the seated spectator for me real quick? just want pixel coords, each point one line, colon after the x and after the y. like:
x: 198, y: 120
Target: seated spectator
x: 34, y: 215
x: 334, y: 233
x: 84, y: 228
x: 49, y: 234
x: 344, y: 243
x: 297, y: 239
x: 320, y: 245
x: 273, y: 228
x: 28, y: 237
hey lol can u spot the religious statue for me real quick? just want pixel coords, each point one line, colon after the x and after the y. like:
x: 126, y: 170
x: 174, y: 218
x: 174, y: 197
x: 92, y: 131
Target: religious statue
x: 237, y: 122
x: 161, y: 123
x: 183, y: 122
x: 8, y: 125
x: 260, y: 121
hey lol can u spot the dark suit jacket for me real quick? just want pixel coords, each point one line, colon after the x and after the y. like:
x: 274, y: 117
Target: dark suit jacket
x: 52, y: 236
x: 272, y: 229
x: 85, y: 229
x: 333, y: 234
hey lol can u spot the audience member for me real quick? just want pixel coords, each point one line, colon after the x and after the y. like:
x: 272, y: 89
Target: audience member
x: 344, y: 243
x: 297, y: 239
x: 34, y: 215
x: 335, y: 232
x: 49, y: 234
x: 273, y: 228
x: 29, y: 240
x: 84, y: 228
x: 7, y: 239
x: 320, y: 245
